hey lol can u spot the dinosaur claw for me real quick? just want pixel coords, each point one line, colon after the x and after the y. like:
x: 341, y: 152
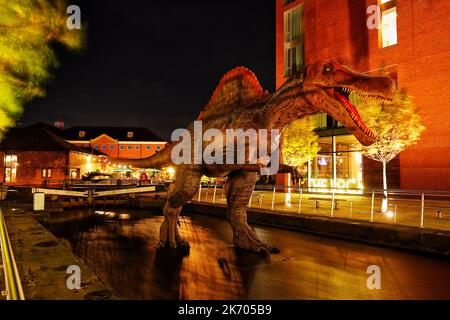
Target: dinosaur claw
x: 161, y: 244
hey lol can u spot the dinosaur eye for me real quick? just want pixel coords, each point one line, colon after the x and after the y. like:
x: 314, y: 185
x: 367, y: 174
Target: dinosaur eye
x: 327, y: 68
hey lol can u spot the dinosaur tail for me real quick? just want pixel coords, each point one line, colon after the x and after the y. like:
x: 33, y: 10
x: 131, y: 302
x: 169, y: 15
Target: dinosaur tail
x: 157, y: 161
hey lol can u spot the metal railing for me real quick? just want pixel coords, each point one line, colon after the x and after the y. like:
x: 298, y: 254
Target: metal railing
x: 12, y: 279
x: 418, y: 208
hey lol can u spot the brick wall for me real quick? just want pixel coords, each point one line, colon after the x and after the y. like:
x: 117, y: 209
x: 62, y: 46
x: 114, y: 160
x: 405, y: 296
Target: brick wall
x: 116, y: 149
x: 31, y: 163
x: 421, y: 61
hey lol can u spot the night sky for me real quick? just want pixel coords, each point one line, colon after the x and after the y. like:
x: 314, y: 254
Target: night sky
x: 156, y: 63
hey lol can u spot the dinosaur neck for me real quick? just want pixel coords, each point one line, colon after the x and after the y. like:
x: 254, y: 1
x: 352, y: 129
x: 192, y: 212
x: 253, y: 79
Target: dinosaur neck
x: 285, y: 106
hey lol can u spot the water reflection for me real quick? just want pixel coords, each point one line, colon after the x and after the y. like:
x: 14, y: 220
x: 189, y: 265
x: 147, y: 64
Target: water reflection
x: 120, y: 247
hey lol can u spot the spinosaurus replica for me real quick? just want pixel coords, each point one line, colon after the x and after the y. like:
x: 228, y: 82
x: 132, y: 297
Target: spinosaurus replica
x: 240, y: 102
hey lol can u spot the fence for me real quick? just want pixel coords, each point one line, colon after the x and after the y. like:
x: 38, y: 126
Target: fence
x: 13, y: 290
x: 418, y: 208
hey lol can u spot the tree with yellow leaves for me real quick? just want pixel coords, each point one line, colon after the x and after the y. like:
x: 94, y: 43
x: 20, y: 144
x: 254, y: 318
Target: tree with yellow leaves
x: 397, y: 126
x: 27, y: 30
x: 300, y: 143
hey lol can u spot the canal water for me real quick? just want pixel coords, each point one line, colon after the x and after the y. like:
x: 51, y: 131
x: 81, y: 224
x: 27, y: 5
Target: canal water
x: 120, y: 247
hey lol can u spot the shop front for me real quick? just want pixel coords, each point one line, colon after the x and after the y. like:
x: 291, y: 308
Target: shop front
x: 338, y: 166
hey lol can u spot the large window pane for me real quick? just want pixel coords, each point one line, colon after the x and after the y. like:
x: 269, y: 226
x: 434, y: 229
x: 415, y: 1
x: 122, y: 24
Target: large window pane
x: 337, y: 165
x: 389, y: 27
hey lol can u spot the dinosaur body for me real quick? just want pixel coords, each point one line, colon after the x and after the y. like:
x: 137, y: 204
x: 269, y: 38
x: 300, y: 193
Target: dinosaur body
x: 239, y: 102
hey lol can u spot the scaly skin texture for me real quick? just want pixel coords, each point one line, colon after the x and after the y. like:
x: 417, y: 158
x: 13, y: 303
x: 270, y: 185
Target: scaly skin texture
x: 240, y: 103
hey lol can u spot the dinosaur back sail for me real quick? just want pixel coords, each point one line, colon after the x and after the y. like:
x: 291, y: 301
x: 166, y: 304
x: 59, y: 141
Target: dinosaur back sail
x: 237, y: 88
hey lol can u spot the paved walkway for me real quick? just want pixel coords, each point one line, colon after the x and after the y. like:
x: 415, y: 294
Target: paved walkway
x: 42, y: 261
x: 400, y: 211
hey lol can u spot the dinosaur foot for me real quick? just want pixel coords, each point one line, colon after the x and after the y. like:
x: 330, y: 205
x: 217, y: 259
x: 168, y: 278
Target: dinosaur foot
x: 245, y: 238
x: 170, y: 236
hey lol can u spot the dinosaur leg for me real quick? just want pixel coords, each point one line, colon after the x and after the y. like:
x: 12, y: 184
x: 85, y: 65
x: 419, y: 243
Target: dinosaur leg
x: 182, y: 190
x: 239, y: 188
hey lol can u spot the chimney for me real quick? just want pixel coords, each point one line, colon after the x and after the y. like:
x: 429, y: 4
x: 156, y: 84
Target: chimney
x: 59, y: 124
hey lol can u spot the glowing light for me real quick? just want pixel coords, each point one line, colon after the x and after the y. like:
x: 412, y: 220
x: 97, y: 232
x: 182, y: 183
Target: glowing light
x: 389, y: 27
x: 171, y: 170
x: 323, y: 162
x: 389, y: 214
x: 343, y: 186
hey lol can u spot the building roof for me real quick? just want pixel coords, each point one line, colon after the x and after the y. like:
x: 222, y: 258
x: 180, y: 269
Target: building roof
x: 118, y: 133
x: 39, y: 137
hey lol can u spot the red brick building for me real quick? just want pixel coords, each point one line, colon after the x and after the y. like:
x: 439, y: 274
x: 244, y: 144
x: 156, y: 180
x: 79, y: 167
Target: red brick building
x: 116, y: 142
x: 36, y: 154
x: 412, y: 45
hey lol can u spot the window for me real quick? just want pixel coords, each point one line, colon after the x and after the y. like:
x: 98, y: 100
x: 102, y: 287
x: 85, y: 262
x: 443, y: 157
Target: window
x: 320, y: 121
x: 130, y: 134
x: 81, y: 134
x: 137, y: 147
x: 149, y: 148
x: 158, y: 147
x: 111, y: 147
x: 122, y: 147
x: 73, y: 174
x: 130, y: 147
x: 46, y: 173
x: 388, y: 23
x: 286, y: 2
x: 293, y: 41
x: 11, y: 168
x: 338, y: 164
x: 104, y: 147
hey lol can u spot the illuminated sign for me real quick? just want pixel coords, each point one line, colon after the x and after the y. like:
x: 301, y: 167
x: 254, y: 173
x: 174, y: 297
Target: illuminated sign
x: 349, y: 186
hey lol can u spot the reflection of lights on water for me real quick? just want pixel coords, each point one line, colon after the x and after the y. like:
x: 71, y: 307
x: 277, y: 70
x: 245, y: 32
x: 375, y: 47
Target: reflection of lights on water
x: 124, y: 216
x: 110, y: 214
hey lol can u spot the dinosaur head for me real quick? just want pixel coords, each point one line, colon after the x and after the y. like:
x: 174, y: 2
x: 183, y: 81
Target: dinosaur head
x: 328, y: 84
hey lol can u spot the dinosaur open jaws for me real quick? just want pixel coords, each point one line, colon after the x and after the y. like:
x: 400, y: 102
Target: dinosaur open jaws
x: 342, y: 95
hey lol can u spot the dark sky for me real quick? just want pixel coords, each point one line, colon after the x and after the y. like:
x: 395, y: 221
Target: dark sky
x: 156, y: 63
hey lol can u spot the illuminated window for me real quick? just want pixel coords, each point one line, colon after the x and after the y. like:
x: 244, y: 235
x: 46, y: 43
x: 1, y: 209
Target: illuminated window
x: 129, y: 134
x: 388, y: 23
x: 338, y: 165
x: 11, y: 168
x: 320, y: 121
x: 81, y: 134
x: 46, y: 173
x: 293, y: 41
